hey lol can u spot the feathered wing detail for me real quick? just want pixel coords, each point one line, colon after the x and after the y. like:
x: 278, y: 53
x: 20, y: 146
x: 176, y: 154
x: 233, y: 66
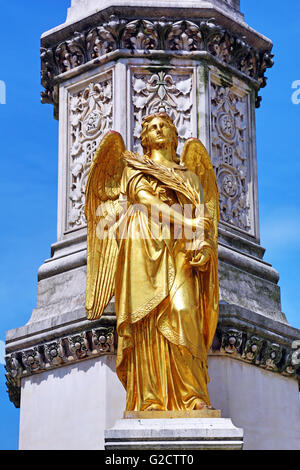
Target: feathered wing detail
x: 196, y: 158
x: 102, y: 193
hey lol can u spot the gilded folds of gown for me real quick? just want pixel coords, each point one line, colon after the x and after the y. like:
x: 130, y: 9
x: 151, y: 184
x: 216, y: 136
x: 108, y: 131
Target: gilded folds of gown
x: 166, y: 319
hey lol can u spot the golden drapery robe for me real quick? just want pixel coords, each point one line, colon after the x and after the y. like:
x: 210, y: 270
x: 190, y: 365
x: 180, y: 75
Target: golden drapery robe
x: 166, y: 317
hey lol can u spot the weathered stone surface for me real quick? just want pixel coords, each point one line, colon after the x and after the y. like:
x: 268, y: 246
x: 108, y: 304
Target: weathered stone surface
x: 165, y: 434
x: 239, y: 287
x: 80, y: 8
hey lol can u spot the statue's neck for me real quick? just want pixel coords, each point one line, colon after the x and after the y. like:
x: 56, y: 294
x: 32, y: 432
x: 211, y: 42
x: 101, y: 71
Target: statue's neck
x: 163, y: 157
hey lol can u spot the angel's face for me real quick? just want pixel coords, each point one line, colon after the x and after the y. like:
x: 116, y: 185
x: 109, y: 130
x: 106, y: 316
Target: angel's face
x: 160, y: 134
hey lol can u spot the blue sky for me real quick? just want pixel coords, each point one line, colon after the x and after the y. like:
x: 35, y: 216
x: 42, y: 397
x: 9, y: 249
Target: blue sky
x: 29, y: 149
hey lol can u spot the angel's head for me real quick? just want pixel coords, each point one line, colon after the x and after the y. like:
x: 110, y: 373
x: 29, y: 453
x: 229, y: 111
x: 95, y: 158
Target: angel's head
x: 159, y: 131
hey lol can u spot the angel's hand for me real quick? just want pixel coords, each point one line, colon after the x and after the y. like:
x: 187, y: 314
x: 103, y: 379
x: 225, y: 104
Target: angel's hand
x: 201, y: 259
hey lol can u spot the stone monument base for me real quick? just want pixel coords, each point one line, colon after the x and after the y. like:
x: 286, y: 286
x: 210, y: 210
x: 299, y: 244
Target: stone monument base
x: 186, y: 414
x: 173, y: 434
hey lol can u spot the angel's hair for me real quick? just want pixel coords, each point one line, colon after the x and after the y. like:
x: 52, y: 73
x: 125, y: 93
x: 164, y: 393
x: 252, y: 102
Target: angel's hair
x: 144, y: 133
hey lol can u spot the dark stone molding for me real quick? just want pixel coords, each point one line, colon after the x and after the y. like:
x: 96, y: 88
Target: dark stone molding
x: 258, y: 340
x: 96, y: 44
x: 60, y: 352
x: 241, y: 335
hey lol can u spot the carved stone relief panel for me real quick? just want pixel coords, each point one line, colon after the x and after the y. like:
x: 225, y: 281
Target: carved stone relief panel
x: 90, y: 117
x: 231, y: 153
x: 167, y: 90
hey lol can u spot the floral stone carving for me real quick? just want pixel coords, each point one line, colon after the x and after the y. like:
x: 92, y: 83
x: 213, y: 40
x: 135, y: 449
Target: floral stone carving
x: 163, y: 91
x: 90, y: 117
x: 141, y: 35
x: 230, y: 155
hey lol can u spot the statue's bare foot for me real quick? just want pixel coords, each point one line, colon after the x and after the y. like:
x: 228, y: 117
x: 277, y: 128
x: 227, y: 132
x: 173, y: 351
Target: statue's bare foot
x: 154, y: 407
x: 199, y: 405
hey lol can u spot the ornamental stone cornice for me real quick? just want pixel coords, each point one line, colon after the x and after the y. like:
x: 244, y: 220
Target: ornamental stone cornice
x: 111, y: 35
x: 256, y: 340
x: 241, y: 335
x: 65, y: 350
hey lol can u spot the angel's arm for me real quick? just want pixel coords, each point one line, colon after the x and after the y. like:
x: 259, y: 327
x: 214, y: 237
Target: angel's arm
x: 161, y: 209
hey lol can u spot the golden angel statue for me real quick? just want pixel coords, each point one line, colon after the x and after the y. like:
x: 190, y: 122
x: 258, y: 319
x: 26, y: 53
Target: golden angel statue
x: 143, y: 250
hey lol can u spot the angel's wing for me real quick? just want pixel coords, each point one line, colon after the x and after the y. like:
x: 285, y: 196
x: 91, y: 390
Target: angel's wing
x: 103, y: 186
x: 195, y: 158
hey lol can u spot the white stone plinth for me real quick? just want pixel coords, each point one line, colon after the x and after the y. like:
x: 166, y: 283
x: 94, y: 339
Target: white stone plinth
x: 264, y: 404
x: 165, y: 434
x: 69, y: 408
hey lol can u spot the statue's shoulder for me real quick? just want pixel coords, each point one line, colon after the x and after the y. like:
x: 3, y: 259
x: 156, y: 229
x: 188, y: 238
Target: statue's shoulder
x: 190, y: 176
x: 129, y: 175
x: 129, y: 171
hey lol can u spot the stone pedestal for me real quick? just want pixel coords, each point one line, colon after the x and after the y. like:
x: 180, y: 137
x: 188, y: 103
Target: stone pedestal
x: 59, y: 399
x: 174, y: 434
x: 108, y: 66
x: 69, y: 408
